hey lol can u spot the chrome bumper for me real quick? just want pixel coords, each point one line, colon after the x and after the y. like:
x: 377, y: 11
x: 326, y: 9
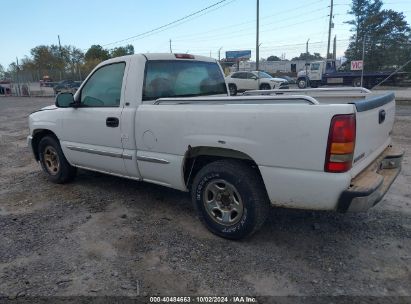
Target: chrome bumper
x: 370, y: 186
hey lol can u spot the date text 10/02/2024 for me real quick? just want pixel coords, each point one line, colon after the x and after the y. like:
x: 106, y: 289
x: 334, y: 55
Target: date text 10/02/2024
x: 206, y: 299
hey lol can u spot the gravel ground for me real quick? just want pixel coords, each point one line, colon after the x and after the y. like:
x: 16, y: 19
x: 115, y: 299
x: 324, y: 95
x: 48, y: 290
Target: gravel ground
x: 107, y: 236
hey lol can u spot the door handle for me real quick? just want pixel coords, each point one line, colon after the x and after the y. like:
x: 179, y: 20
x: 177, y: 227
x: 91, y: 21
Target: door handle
x: 381, y: 116
x: 112, y: 122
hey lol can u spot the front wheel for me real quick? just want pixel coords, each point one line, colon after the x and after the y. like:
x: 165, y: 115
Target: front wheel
x: 302, y: 83
x: 53, y: 161
x: 265, y: 86
x: 230, y: 198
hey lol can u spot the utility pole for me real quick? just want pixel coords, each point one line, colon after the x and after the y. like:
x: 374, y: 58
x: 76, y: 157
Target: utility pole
x: 363, y: 55
x: 170, y: 47
x: 330, y: 25
x: 219, y: 51
x: 17, y: 76
x: 61, y: 55
x: 257, y: 44
x: 79, y: 71
x: 335, y: 48
x: 306, y: 46
x: 58, y: 37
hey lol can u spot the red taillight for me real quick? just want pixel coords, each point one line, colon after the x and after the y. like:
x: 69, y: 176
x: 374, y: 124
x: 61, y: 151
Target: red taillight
x: 341, y: 143
x: 184, y: 56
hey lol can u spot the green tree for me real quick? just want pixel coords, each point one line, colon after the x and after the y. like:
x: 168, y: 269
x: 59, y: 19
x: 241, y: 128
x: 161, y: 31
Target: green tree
x: 94, y: 55
x: 122, y: 51
x: 49, y: 60
x: 384, y: 33
x: 273, y: 58
x: 308, y: 56
x: 11, y: 72
x: 97, y: 52
x: 28, y: 69
x: 1, y: 72
x: 74, y: 59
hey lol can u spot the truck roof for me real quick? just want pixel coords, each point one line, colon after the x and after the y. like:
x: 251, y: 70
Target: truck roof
x: 172, y: 56
x: 165, y: 56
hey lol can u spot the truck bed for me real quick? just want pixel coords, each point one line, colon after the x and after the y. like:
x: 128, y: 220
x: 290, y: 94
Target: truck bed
x: 372, y: 137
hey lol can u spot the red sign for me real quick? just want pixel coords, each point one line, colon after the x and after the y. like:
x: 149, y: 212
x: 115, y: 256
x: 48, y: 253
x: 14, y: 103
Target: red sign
x: 356, y: 65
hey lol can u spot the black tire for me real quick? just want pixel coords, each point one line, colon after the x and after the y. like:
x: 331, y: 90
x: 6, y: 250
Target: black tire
x: 233, y: 89
x: 249, y: 189
x: 302, y: 83
x: 53, y: 161
x: 265, y: 86
x: 314, y: 84
x: 356, y: 82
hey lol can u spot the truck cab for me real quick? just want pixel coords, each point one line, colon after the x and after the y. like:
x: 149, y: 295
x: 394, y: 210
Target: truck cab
x: 313, y: 74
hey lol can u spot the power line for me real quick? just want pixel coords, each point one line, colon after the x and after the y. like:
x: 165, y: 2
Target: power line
x: 251, y: 21
x: 242, y: 34
x: 168, y: 24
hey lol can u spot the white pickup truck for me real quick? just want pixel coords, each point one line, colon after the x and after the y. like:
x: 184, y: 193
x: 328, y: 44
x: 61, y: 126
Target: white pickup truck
x: 168, y: 119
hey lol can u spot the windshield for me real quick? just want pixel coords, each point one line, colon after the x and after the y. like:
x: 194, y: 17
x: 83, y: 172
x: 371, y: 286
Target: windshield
x: 178, y: 78
x: 264, y: 75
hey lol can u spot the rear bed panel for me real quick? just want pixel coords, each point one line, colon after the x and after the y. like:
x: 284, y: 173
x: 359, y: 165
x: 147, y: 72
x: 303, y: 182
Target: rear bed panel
x: 375, y: 120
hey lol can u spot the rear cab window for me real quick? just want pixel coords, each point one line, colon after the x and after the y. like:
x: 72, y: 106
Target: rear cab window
x: 177, y: 78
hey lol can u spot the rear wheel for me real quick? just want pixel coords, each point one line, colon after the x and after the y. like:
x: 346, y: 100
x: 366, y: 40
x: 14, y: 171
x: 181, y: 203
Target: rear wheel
x: 233, y: 89
x: 314, y: 84
x: 230, y: 198
x: 356, y: 82
x: 53, y: 161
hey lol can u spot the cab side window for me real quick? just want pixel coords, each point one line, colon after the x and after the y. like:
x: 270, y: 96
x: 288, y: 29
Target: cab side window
x: 103, y: 88
x: 251, y: 76
x: 315, y: 66
x: 242, y: 75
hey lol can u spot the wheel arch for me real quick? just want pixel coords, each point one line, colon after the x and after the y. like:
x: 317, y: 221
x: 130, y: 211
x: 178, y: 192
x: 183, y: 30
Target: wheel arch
x: 38, y: 134
x: 197, y: 157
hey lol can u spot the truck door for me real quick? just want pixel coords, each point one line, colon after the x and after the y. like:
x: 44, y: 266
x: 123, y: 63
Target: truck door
x: 315, y: 71
x: 91, y: 134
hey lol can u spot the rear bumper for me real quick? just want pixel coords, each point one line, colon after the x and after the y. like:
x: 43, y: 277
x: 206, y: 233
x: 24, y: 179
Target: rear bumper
x: 370, y: 186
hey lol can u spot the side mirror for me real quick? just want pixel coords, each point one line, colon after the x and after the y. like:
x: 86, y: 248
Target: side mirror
x: 64, y: 100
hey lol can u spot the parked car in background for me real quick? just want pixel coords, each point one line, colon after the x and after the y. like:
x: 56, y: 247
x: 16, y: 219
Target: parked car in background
x: 256, y: 80
x: 289, y: 79
x: 5, y: 87
x: 66, y: 86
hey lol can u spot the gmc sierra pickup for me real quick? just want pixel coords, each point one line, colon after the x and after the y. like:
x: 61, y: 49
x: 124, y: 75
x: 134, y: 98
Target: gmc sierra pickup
x: 168, y: 119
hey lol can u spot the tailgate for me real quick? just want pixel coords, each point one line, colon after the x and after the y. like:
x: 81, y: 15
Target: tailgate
x: 374, y: 122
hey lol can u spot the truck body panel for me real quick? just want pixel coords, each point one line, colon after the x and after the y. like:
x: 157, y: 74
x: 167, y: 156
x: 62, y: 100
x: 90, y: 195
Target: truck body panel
x: 285, y: 134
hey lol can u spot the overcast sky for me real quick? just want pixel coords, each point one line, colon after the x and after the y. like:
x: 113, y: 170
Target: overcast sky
x: 285, y: 26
